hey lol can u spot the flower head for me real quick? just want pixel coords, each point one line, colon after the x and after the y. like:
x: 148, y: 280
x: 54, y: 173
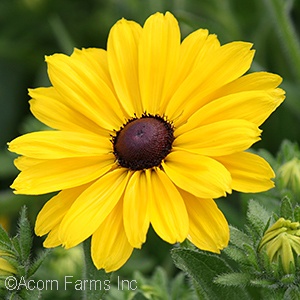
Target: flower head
x: 147, y: 132
x: 282, y: 243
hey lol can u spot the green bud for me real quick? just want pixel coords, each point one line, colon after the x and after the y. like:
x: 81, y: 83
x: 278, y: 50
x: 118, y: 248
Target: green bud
x: 290, y: 174
x: 6, y: 268
x: 282, y: 243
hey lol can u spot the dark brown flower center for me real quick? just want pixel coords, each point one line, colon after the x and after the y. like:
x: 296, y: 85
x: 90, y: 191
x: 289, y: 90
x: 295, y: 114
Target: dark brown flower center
x: 143, y: 143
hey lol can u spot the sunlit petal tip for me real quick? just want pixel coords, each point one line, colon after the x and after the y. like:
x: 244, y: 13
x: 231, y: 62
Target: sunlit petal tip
x: 250, y: 173
x: 208, y: 227
x: 117, y: 249
x: 52, y: 239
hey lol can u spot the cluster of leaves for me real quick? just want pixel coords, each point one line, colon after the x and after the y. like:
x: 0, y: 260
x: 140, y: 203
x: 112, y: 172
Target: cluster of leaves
x: 19, y: 249
x: 252, y: 276
x: 157, y: 287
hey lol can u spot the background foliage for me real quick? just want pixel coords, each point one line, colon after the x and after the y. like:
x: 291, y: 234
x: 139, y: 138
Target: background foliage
x: 30, y: 29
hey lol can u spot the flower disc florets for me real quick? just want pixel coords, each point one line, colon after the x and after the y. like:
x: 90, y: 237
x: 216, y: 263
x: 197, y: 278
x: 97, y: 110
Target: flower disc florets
x: 142, y: 143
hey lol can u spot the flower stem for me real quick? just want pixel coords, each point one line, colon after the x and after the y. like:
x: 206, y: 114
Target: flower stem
x: 96, y: 282
x: 279, y: 11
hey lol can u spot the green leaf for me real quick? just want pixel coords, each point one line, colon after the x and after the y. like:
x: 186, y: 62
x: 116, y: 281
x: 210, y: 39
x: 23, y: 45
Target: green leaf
x: 292, y: 292
x: 236, y: 254
x: 178, y: 288
x: 5, y: 242
x: 257, y: 217
x: 37, y: 262
x: 263, y: 283
x: 91, y: 273
x: 288, y: 279
x: 233, y: 279
x: 238, y: 238
x: 297, y: 213
x: 25, y: 235
x: 203, y: 268
x: 160, y: 280
x: 286, y: 209
x: 251, y: 256
x: 29, y: 294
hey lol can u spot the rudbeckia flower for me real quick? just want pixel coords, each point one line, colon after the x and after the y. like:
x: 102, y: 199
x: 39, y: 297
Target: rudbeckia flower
x: 148, y: 131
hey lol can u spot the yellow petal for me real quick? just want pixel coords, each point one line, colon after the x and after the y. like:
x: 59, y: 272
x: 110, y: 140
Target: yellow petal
x: 55, y: 209
x: 136, y: 202
x: 250, y: 173
x: 110, y: 247
x: 60, y: 144
x: 199, y: 175
x: 54, y: 175
x: 122, y: 54
x: 257, y: 81
x: 95, y: 59
x: 23, y: 162
x: 209, y: 229
x: 158, y: 60
x: 219, y: 138
x: 196, y: 49
x: 92, y: 207
x: 217, y: 68
x: 52, y: 239
x: 48, y: 106
x: 167, y: 211
x: 82, y: 87
x: 253, y: 106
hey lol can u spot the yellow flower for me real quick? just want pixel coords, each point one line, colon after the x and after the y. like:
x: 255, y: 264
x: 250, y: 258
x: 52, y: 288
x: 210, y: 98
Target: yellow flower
x: 147, y: 132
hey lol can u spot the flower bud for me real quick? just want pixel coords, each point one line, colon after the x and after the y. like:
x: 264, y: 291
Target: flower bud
x: 282, y: 243
x: 6, y: 268
x: 290, y: 174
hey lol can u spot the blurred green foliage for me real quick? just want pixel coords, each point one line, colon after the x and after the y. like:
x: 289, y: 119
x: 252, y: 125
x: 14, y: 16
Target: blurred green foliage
x: 31, y: 29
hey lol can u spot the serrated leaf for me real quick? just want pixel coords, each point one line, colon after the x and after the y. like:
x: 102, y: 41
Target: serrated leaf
x: 286, y: 209
x: 25, y: 235
x: 37, y: 262
x: 233, y: 279
x: 251, y: 256
x: 292, y: 292
x: 16, y: 246
x: 288, y: 150
x: 160, y: 280
x: 179, y: 290
x: 236, y: 254
x: 138, y: 276
x: 257, y: 217
x: 91, y: 273
x: 238, y: 238
x: 263, y: 283
x: 297, y: 213
x: 203, y: 268
x: 160, y: 276
x: 4, y: 239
